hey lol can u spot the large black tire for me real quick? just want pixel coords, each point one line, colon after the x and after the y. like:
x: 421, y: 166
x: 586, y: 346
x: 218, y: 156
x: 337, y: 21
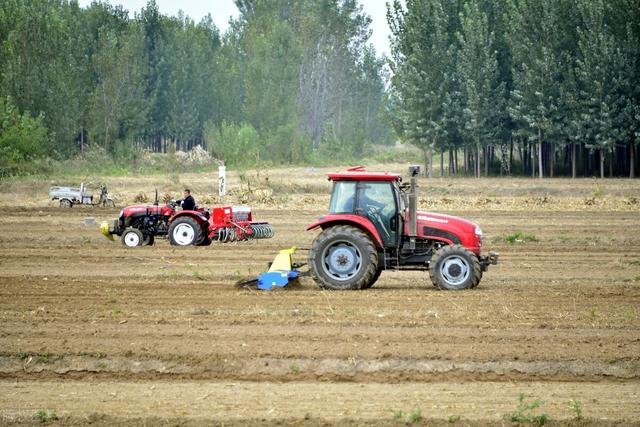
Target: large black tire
x: 375, y: 279
x: 343, y: 257
x: 204, y: 240
x: 66, y: 203
x: 455, y: 268
x: 132, y: 237
x: 148, y: 240
x: 184, y: 231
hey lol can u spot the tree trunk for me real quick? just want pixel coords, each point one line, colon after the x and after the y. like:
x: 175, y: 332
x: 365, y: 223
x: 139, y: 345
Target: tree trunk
x: 632, y: 161
x: 510, y: 154
x: 487, y: 157
x: 532, y: 152
x: 465, y: 160
x: 478, y: 151
x: 428, y: 161
x: 442, y: 163
x: 601, y: 163
x: 573, y: 160
x: 613, y: 156
x: 540, y: 153
x: 552, y: 159
x: 455, y: 161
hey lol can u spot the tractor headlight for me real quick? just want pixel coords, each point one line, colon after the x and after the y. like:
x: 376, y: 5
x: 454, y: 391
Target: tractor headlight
x: 478, y: 232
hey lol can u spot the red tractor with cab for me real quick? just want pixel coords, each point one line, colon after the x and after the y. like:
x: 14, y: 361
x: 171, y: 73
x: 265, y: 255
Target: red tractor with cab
x: 373, y: 225
x: 138, y: 225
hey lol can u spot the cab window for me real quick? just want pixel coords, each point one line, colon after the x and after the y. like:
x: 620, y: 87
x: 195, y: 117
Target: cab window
x: 342, y: 197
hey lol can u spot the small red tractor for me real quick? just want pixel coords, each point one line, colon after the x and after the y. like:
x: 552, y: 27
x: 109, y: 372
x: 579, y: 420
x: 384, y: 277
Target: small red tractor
x: 374, y: 225
x: 138, y: 225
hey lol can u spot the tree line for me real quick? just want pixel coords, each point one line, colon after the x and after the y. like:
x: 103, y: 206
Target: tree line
x: 539, y: 87
x: 290, y: 81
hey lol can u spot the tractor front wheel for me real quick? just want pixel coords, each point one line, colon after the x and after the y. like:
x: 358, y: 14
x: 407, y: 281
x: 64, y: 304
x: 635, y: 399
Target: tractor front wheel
x: 132, y: 237
x: 454, y: 268
x: 343, y: 257
x: 66, y: 203
x: 184, y: 231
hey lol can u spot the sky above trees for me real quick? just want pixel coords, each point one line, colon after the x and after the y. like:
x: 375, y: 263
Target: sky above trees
x: 221, y: 10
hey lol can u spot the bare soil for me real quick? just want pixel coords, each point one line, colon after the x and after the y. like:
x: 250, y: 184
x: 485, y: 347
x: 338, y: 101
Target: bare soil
x: 160, y: 335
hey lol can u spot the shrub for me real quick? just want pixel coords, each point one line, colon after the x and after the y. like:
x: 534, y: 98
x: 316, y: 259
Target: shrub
x: 22, y: 138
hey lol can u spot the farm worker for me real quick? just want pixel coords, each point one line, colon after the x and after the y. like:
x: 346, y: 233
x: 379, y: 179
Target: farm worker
x: 188, y: 203
x: 103, y: 195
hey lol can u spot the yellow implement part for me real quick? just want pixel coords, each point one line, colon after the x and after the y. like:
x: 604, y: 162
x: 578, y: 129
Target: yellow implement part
x: 282, y: 261
x: 104, y: 229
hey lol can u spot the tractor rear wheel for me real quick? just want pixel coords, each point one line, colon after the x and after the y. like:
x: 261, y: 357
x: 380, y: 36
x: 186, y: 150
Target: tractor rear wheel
x: 374, y: 279
x: 454, y: 268
x: 343, y: 257
x: 184, y: 231
x: 132, y: 237
x: 204, y: 240
x: 66, y: 203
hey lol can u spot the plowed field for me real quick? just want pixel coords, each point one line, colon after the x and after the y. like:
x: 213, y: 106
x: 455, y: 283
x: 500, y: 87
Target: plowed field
x: 93, y: 332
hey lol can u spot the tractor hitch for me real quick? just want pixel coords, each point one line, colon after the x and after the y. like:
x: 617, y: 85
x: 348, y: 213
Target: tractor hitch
x: 491, y: 259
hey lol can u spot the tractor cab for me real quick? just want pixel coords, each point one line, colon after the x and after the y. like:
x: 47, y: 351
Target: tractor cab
x: 374, y: 196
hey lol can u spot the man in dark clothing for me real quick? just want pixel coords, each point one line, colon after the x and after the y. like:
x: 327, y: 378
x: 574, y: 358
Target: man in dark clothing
x: 188, y: 203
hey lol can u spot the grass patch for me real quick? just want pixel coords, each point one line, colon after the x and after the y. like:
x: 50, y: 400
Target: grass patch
x: 415, y: 416
x: 45, y: 416
x: 46, y: 357
x: 295, y: 369
x: 409, y: 418
x: 576, y: 408
x: 525, y: 413
x: 199, y: 276
x: 520, y: 237
x: 398, y: 415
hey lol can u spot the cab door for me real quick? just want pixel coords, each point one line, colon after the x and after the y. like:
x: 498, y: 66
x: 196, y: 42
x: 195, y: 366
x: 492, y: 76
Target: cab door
x: 376, y: 200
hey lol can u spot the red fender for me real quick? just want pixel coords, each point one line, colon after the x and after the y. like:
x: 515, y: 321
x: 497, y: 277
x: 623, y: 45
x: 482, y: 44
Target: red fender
x: 198, y: 216
x: 356, y: 220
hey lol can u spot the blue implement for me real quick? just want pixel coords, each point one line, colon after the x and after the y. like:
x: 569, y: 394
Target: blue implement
x: 280, y: 279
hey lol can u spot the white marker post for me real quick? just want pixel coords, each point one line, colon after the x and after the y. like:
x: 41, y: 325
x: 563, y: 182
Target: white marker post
x: 222, y: 180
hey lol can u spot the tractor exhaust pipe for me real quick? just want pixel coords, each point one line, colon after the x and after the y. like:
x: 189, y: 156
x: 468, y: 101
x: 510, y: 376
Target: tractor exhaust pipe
x: 414, y: 171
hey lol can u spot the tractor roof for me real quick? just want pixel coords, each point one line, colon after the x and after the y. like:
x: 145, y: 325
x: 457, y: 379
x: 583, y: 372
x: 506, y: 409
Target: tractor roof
x: 360, y: 174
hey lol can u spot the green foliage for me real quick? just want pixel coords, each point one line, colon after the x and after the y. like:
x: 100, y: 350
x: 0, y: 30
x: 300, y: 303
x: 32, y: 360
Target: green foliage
x: 454, y: 419
x: 269, y: 89
x: 398, y: 415
x: 412, y: 417
x: 525, y: 413
x: 415, y: 416
x: 46, y: 416
x: 234, y: 144
x: 544, y: 76
x: 520, y: 237
x: 576, y: 408
x: 22, y: 138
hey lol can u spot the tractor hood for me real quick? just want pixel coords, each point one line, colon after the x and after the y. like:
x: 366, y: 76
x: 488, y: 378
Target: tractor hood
x: 146, y: 208
x: 451, y: 229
